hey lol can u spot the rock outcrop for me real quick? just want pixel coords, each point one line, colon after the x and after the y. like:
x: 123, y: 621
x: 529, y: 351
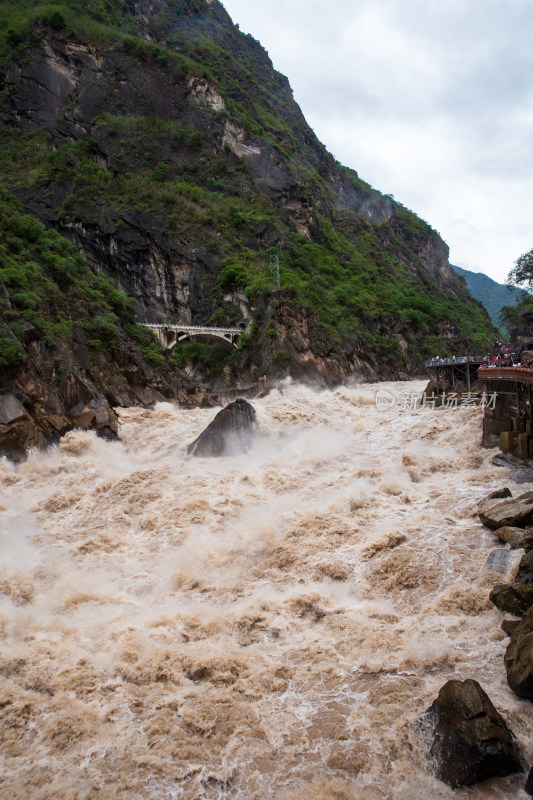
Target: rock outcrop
x: 497, y: 494
x: 470, y: 740
x: 514, y: 598
x: 517, y: 538
x: 514, y: 512
x: 529, y: 783
x: 508, y: 626
x: 525, y: 569
x: 231, y: 432
x: 528, y: 539
x: 517, y: 597
x: 41, y: 405
x: 519, y: 657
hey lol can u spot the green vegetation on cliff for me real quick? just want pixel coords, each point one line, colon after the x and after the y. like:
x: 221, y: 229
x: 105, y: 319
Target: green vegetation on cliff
x: 168, y: 148
x: 48, y: 294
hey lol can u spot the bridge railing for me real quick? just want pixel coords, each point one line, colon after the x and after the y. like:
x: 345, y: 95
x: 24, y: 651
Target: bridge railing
x: 444, y: 362
x: 195, y: 328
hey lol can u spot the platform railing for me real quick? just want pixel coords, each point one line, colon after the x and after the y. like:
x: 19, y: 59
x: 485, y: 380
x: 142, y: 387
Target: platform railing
x: 445, y: 362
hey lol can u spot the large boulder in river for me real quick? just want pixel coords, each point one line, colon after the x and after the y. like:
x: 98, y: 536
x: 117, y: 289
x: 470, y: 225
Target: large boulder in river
x: 230, y: 433
x: 519, y: 657
x: 471, y: 741
x: 514, y: 511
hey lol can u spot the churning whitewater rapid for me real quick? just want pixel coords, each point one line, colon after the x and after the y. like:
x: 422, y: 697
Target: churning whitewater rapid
x: 262, y: 626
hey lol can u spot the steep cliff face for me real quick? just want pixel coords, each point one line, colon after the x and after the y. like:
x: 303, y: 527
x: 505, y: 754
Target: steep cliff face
x: 69, y: 347
x: 161, y: 141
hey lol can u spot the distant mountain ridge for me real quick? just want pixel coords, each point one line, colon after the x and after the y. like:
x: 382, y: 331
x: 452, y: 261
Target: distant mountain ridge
x: 492, y: 294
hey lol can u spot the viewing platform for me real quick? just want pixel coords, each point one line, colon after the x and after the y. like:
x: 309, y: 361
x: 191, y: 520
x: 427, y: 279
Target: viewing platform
x: 457, y: 373
x: 508, y: 420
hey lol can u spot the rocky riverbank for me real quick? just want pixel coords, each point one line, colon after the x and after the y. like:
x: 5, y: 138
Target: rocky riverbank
x: 468, y: 739
x: 39, y: 404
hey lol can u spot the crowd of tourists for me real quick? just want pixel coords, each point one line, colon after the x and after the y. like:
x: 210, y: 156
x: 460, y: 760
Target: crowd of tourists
x: 512, y: 360
x: 499, y: 355
x: 503, y: 356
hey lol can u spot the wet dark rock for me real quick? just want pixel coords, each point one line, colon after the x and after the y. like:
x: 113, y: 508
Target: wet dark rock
x: 519, y: 657
x: 496, y: 494
x: 471, y: 741
x: 517, y: 511
x: 525, y: 569
x: 529, y: 783
x: 515, y: 598
x: 230, y: 433
x: 508, y: 626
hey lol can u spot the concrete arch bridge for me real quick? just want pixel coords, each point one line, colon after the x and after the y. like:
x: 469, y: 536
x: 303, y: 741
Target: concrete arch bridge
x: 168, y: 334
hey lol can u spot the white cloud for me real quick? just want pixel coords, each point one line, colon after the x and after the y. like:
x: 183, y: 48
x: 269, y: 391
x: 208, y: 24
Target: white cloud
x: 428, y: 100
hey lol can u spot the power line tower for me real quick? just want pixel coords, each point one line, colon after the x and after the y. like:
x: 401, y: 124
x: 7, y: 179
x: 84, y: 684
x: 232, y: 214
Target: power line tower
x: 274, y: 269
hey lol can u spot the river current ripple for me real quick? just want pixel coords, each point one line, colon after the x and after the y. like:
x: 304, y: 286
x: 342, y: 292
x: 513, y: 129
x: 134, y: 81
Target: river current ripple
x: 261, y: 626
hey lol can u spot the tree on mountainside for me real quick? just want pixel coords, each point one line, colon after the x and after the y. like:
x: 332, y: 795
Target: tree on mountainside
x: 515, y: 317
x: 522, y: 272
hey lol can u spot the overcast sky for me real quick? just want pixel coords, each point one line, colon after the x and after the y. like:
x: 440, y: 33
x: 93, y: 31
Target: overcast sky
x: 429, y: 100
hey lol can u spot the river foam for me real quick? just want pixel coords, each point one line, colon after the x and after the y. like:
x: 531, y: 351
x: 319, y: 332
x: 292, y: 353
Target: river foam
x: 268, y: 625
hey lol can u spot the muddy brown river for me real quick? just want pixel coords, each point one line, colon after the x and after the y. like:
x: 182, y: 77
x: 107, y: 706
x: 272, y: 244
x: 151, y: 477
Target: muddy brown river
x: 262, y: 626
